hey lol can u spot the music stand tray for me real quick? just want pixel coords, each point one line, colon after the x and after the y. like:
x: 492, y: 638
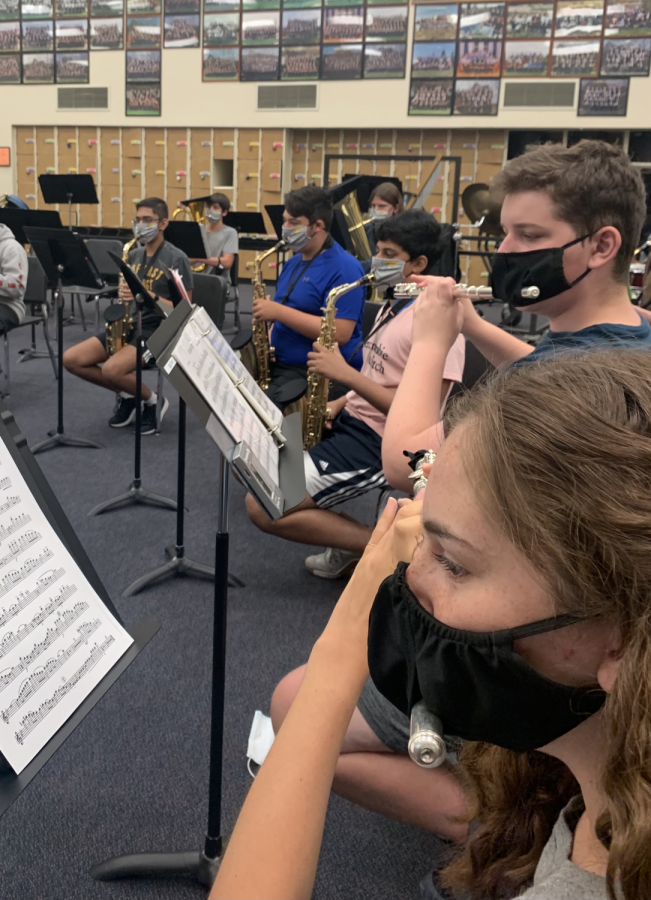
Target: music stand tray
x: 68, y: 189
x: 187, y: 236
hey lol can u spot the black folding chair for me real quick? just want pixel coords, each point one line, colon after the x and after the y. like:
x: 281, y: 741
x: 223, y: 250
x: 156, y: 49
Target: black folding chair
x: 99, y: 249
x: 36, y: 300
x: 233, y: 296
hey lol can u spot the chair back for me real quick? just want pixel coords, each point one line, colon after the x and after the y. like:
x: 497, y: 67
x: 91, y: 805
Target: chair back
x: 36, y: 289
x: 371, y: 309
x: 210, y: 292
x: 99, y: 248
x: 235, y: 278
x: 475, y: 367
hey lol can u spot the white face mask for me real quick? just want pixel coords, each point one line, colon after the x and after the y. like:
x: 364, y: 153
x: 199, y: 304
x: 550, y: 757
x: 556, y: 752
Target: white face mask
x: 144, y: 232
x: 378, y: 215
x: 261, y: 738
x: 213, y: 216
x: 387, y: 271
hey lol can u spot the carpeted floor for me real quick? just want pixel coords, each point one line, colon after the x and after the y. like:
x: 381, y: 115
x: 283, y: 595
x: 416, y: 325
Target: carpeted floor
x: 134, y: 775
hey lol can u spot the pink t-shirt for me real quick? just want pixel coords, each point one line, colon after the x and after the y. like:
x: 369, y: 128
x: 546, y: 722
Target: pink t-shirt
x: 385, y: 357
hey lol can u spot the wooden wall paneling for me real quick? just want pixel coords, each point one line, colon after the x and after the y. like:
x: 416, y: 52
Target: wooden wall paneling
x: 485, y: 172
x: 268, y: 198
x: 154, y: 162
x: 333, y: 144
x: 434, y: 141
x: 200, y: 162
x: 173, y: 196
x: 272, y: 143
x: 131, y: 193
x: 272, y: 148
x: 110, y: 144
x: 245, y: 263
x: 132, y: 143
x: 351, y: 147
x: 248, y: 144
x: 491, y: 146
x: 25, y: 141
x: 477, y: 272
x: 384, y: 144
x: 271, y: 177
x: 25, y: 168
x: 111, y: 205
x: 111, y: 170
x: 88, y: 152
x: 131, y: 171
x: 224, y: 143
x: 46, y: 159
x: 67, y: 150
x: 315, y: 149
x: 177, y: 177
x: 299, y: 156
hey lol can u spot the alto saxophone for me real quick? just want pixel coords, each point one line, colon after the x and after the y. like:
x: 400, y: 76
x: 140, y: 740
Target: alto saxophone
x: 259, y: 331
x: 116, y: 316
x: 318, y: 386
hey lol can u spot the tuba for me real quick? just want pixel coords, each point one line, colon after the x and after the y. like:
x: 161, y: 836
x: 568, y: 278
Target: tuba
x: 318, y: 386
x: 117, y: 316
x: 256, y: 355
x: 196, y: 212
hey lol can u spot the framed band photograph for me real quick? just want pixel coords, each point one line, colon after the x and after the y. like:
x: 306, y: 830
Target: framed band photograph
x: 143, y: 100
x: 260, y: 29
x: 476, y: 97
x: 436, y: 23
x: 479, y: 59
x: 385, y: 60
x: 573, y: 58
x: 301, y: 26
x: 182, y: 7
x: 38, y: 68
x: 386, y: 23
x: 10, y: 36
x: 72, y: 68
x: 341, y: 62
x: 70, y: 9
x: 107, y: 8
x: 10, y: 68
x: 526, y: 58
x: 143, y: 65
x: 343, y: 25
x: 481, y: 21
x: 36, y: 9
x: 529, y: 20
x: 221, y: 29
x: 431, y: 98
x: 106, y: 34
x: 630, y: 18
x: 626, y: 56
x: 143, y: 32
x: 71, y: 34
x: 222, y: 64
x: 579, y: 18
x: 433, y: 60
x: 38, y: 36
x: 603, y: 97
x: 300, y: 63
x: 259, y: 63
x: 9, y: 10
x: 181, y: 31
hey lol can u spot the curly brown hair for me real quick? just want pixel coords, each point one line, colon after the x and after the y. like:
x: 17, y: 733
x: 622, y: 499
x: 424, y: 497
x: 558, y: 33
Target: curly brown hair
x: 560, y: 456
x: 591, y: 184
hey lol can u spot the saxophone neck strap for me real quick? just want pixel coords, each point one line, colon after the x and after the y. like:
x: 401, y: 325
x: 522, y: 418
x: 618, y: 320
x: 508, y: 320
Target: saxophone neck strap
x: 299, y: 272
x: 386, y: 316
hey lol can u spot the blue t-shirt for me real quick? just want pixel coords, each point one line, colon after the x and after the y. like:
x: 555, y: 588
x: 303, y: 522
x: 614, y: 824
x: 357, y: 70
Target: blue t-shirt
x: 330, y: 268
x: 596, y: 337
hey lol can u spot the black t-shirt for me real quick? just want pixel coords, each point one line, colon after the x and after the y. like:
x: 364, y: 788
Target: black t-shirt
x: 150, y: 272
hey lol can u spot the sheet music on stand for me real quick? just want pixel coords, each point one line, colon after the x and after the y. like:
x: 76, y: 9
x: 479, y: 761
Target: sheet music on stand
x: 205, y: 355
x: 57, y: 637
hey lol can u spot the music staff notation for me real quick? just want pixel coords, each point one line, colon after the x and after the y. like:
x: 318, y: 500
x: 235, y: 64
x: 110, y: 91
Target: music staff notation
x: 5, y: 483
x: 11, y: 579
x: 25, y: 597
x: 24, y: 542
x: 9, y: 502
x: 15, y: 524
x: 29, y: 722
x: 62, y: 622
x: 11, y: 640
x: 41, y: 676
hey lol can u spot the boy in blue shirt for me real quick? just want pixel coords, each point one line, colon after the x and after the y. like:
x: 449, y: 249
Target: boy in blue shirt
x: 318, y: 265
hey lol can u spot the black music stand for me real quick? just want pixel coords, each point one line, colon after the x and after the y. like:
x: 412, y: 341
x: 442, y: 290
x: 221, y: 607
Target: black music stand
x: 136, y: 493
x: 247, y: 222
x: 16, y: 219
x: 202, y: 865
x: 187, y: 236
x: 66, y: 261
x: 68, y: 189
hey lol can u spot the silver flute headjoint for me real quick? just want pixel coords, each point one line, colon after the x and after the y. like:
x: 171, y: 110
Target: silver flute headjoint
x: 475, y: 292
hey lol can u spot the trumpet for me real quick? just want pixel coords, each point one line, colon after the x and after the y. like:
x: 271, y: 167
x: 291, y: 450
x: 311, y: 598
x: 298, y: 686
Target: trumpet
x: 478, y: 294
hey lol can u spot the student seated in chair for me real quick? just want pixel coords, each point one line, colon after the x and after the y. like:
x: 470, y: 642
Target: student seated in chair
x: 13, y: 280
x: 348, y: 462
x: 221, y: 240
x: 90, y: 359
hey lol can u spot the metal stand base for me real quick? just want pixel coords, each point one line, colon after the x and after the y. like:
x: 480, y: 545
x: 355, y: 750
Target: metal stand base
x: 152, y: 865
x: 136, y: 494
x: 178, y: 564
x: 57, y: 439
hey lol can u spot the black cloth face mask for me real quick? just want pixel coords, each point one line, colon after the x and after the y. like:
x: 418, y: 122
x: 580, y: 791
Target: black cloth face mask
x: 475, y: 682
x: 534, y: 268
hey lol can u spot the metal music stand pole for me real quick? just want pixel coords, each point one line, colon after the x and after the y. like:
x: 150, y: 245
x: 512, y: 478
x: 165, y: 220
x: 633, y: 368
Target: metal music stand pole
x: 136, y: 493
x: 200, y: 864
x: 178, y: 563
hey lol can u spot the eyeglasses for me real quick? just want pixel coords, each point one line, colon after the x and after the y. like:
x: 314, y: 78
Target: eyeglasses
x: 145, y: 220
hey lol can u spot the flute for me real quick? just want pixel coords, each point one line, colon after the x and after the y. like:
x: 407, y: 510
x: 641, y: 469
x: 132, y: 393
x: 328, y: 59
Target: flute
x: 478, y: 294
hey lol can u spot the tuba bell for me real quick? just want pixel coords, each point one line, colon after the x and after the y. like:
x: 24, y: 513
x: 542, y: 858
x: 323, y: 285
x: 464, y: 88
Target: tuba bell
x: 195, y: 210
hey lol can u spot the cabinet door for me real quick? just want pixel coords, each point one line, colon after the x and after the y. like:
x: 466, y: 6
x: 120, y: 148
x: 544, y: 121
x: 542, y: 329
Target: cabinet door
x: 223, y: 146
x: 111, y: 207
x: 45, y: 150
x: 248, y: 144
x: 110, y: 143
x: 26, y: 143
x: 155, y: 144
x: 132, y: 142
x: 271, y: 177
x: 200, y: 160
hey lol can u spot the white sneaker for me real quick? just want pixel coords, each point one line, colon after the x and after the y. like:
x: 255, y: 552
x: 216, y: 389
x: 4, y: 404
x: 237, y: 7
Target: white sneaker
x: 333, y: 563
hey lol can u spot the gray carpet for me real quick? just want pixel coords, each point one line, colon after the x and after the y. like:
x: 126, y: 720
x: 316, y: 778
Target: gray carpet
x: 134, y: 774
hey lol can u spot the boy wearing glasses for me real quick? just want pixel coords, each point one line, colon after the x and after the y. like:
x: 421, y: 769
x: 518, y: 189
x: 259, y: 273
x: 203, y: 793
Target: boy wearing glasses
x: 90, y: 360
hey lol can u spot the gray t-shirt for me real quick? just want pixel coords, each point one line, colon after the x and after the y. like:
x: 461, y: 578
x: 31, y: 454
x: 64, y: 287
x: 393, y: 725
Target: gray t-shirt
x: 557, y: 877
x: 219, y: 242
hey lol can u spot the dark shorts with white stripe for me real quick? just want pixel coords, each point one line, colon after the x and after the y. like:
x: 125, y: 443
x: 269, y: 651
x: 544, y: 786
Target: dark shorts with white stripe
x: 345, y: 464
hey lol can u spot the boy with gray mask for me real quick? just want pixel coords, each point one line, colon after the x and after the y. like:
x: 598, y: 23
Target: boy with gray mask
x: 221, y: 240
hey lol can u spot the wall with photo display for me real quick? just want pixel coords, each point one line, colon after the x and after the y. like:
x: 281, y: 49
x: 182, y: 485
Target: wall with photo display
x: 461, y: 51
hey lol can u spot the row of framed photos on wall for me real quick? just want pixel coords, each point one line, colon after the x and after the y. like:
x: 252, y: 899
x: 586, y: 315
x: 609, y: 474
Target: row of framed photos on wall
x: 480, y: 97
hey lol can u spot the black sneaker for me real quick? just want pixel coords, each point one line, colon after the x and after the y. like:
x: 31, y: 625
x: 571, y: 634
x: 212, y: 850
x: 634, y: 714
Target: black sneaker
x: 148, y: 420
x: 124, y: 412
